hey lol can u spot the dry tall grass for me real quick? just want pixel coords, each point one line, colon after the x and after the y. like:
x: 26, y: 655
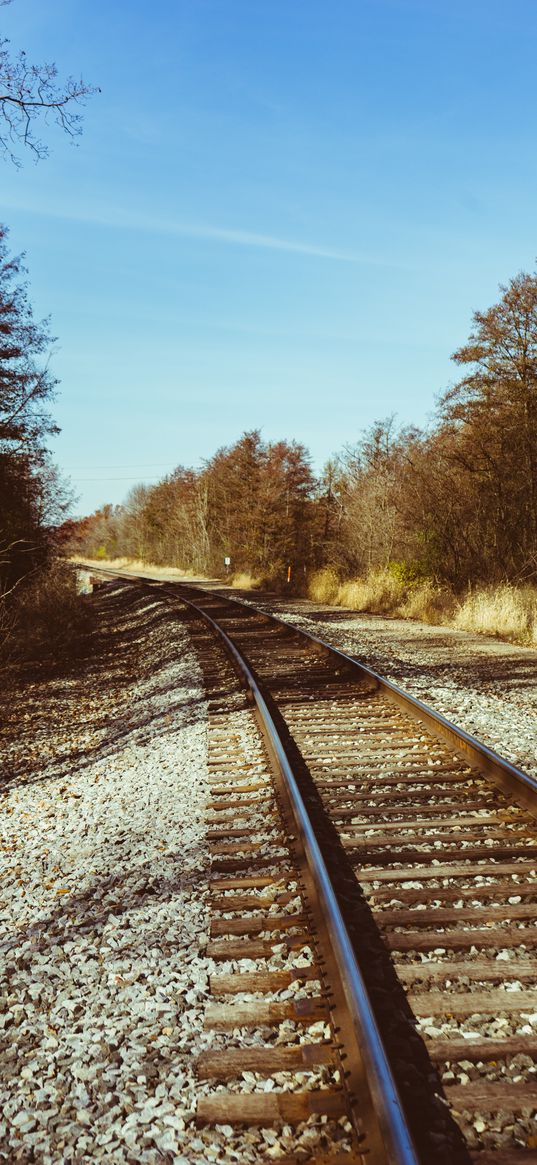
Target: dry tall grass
x: 506, y: 611
x: 379, y: 592
x: 244, y: 581
x: 139, y: 566
x: 428, y: 603
x: 323, y: 586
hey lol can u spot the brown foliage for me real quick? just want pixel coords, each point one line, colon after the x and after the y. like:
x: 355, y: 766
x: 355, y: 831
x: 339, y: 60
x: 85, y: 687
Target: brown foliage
x: 453, y: 505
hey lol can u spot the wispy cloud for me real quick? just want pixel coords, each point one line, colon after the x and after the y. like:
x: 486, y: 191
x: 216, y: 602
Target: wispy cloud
x: 120, y: 219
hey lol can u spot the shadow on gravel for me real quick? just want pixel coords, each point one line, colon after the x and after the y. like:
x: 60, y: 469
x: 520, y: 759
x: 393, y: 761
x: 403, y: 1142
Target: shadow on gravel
x: 159, y: 878
x: 126, y: 888
x: 133, y: 735
x: 107, y: 899
x: 119, y: 650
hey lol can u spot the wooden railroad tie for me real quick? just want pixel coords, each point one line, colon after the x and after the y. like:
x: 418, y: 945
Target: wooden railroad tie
x: 270, y: 1108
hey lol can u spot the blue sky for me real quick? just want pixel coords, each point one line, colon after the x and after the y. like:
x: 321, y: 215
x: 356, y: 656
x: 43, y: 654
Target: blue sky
x: 281, y: 215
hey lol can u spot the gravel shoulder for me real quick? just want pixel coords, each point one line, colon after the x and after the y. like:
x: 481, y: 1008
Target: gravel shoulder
x: 103, y: 912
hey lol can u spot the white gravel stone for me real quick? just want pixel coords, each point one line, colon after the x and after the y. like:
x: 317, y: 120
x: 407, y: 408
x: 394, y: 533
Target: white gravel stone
x: 103, y: 914
x: 104, y: 876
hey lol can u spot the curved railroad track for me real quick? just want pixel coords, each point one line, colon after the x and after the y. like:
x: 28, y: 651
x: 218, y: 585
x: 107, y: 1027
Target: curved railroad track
x: 428, y: 842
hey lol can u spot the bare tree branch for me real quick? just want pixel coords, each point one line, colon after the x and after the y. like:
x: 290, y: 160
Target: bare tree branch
x: 32, y: 93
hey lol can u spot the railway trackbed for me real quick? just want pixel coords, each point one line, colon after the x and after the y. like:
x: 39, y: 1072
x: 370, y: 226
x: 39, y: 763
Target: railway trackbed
x: 399, y: 984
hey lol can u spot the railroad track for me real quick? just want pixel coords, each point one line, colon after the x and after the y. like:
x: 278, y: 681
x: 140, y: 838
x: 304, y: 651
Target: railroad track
x: 279, y: 983
x: 428, y: 841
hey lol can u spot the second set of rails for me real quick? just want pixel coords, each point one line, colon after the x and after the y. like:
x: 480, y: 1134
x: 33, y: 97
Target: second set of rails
x: 429, y: 848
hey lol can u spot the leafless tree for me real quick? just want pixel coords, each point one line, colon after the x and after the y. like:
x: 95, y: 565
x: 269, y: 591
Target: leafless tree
x: 31, y: 94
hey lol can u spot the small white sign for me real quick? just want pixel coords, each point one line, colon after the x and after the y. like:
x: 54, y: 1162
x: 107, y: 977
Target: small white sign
x: 227, y: 561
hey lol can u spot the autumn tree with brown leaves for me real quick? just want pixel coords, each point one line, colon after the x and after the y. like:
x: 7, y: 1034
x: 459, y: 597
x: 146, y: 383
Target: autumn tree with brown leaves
x: 490, y: 419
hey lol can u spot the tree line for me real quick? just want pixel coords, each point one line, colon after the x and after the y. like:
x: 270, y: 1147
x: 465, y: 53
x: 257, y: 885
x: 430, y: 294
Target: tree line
x: 253, y: 503
x: 456, y: 502
x: 33, y: 498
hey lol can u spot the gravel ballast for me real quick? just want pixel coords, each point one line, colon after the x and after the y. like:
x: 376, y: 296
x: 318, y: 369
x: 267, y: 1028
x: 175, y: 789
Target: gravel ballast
x: 103, y: 916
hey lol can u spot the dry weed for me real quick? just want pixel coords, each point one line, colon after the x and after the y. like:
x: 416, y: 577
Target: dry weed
x: 428, y: 603
x: 379, y: 592
x: 506, y: 611
x: 138, y: 566
x: 244, y: 581
x: 323, y: 585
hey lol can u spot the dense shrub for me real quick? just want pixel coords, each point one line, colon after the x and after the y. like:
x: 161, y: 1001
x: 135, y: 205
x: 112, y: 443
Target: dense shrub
x: 47, y: 617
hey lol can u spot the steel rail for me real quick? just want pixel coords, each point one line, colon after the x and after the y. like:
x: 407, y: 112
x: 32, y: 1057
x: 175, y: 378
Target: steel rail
x: 519, y: 784
x: 398, y: 1144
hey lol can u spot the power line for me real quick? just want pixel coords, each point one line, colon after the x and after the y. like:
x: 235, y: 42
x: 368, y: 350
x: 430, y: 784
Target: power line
x: 104, y: 479
x: 150, y: 465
